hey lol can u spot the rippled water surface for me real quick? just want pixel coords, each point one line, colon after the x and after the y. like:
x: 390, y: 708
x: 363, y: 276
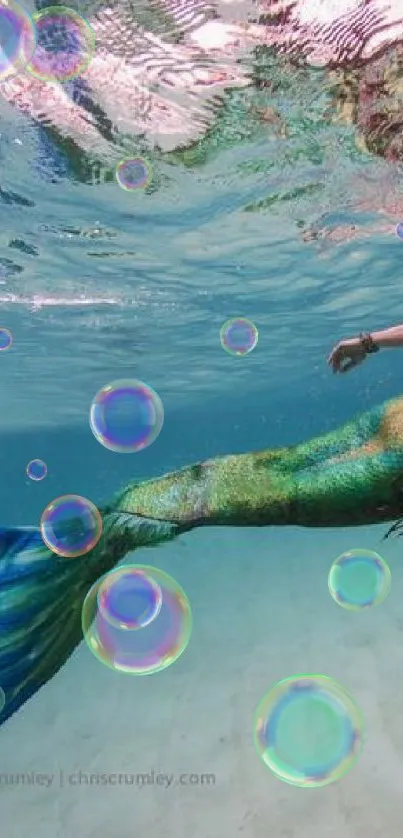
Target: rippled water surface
x: 98, y: 282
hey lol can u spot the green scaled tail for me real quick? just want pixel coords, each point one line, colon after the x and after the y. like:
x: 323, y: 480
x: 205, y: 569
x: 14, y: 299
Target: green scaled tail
x: 349, y: 477
x: 352, y: 476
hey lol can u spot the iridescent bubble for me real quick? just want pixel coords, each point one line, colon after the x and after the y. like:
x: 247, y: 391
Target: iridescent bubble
x: 71, y: 526
x: 359, y: 579
x: 37, y: 470
x: 2, y: 699
x: 148, y: 649
x: 134, y: 173
x: 65, y: 44
x: 126, y: 416
x: 308, y: 730
x: 129, y: 598
x: 239, y: 336
x: 17, y: 39
x: 6, y: 339
x: 399, y: 230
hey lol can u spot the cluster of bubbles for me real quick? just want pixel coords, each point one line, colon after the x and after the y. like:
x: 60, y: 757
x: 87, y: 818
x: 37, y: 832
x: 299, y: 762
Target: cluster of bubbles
x: 36, y: 470
x: 126, y: 416
x: 55, y: 44
x: 136, y: 620
x: 133, y: 173
x: 238, y: 336
x: 308, y: 730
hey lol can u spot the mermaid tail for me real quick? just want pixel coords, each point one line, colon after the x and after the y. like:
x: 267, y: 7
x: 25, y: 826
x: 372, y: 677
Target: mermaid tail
x: 351, y: 476
x: 41, y: 597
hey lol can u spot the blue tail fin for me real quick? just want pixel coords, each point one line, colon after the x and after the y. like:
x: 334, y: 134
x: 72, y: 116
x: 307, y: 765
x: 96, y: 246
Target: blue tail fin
x: 40, y: 613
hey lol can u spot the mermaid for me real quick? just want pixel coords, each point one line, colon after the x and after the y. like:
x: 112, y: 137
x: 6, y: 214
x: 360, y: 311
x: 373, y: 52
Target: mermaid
x: 352, y: 476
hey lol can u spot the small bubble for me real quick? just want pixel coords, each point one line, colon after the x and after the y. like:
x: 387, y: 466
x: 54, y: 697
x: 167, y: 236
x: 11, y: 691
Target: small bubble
x: 359, y: 579
x: 6, y: 339
x: 36, y: 470
x: 239, y: 336
x: 134, y: 173
x: 130, y: 599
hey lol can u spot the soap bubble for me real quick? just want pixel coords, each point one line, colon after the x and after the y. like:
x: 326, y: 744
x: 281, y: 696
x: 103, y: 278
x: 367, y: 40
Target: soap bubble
x: 156, y: 625
x: 36, y: 470
x: 134, y: 173
x: 6, y: 339
x: 359, y: 579
x: 71, y: 526
x: 17, y: 39
x: 65, y: 44
x: 399, y: 230
x: 126, y: 416
x: 308, y: 730
x: 239, y: 336
x: 129, y: 599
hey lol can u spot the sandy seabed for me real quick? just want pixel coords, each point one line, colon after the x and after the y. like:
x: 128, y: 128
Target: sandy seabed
x: 261, y: 612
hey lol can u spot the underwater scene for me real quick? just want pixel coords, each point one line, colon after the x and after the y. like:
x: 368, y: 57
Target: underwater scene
x: 201, y: 325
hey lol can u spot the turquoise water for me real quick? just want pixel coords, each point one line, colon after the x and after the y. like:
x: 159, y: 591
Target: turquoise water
x: 98, y: 284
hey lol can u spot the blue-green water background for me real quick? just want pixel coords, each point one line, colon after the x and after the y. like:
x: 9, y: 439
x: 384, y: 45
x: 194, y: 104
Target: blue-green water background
x: 99, y: 284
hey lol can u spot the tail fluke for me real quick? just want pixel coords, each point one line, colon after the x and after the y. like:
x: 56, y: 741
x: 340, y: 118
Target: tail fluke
x: 39, y: 614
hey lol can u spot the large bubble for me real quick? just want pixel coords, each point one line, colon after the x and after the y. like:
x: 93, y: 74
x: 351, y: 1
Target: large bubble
x: 137, y: 620
x: 71, y: 526
x: 308, y: 730
x: 126, y: 416
x: 65, y: 44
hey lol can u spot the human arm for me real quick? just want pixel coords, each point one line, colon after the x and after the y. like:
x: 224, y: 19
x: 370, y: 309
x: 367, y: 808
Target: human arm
x: 353, y: 351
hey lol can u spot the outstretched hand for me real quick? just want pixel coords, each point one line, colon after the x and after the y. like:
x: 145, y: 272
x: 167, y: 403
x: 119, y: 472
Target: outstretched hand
x: 346, y: 355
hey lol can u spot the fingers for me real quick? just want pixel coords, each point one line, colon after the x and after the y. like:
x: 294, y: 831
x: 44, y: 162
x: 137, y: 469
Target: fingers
x: 335, y: 357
